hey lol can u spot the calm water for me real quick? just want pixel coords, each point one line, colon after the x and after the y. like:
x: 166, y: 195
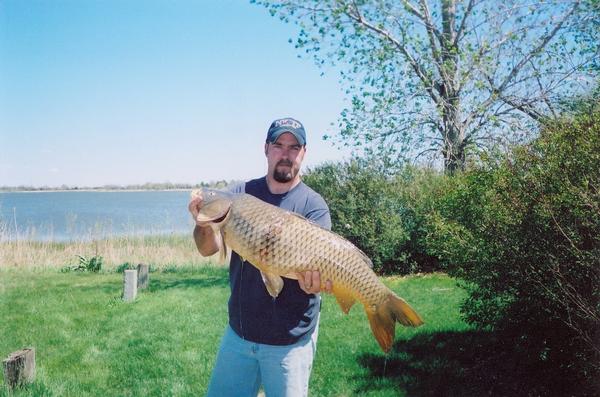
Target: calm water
x: 74, y: 215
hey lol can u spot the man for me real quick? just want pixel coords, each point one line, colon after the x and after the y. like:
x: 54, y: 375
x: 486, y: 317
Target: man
x: 270, y: 341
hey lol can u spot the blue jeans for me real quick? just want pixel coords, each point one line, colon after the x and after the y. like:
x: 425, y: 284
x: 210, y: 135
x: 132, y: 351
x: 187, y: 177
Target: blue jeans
x: 242, y: 366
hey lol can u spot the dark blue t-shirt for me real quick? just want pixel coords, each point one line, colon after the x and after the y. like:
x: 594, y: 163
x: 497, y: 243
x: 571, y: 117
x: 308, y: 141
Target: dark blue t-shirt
x: 253, y: 314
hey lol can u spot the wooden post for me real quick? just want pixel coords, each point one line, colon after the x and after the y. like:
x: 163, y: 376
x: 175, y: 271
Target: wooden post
x: 129, y: 285
x: 19, y: 368
x: 142, y: 277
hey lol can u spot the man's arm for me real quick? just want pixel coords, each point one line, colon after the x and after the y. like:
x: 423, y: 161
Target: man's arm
x: 205, y: 238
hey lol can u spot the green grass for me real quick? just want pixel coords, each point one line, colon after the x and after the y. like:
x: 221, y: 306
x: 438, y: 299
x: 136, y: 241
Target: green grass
x: 89, y: 342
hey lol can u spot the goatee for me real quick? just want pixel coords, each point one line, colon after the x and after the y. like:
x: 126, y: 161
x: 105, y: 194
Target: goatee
x: 285, y: 175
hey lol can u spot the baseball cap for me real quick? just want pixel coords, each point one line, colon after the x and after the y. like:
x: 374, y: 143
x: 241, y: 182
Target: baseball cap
x: 287, y: 124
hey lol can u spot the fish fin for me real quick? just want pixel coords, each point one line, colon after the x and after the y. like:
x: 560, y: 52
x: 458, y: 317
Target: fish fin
x: 383, y: 319
x: 343, y: 296
x: 222, y: 247
x: 273, y: 282
x: 403, y: 313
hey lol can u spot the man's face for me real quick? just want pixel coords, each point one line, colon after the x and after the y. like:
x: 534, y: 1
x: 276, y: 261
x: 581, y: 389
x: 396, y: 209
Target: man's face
x: 284, y: 157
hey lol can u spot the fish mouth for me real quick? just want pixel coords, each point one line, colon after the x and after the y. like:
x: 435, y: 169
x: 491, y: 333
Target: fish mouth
x: 222, y: 218
x: 212, y: 214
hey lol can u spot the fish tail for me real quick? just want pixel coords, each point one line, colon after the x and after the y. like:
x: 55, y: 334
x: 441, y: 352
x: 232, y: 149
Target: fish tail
x: 383, y: 319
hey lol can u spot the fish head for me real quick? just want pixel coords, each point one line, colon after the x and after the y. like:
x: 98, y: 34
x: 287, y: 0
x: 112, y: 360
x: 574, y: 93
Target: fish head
x: 216, y: 205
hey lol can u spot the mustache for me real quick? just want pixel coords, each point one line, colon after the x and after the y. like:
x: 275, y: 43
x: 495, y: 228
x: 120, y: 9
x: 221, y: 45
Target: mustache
x: 284, y: 162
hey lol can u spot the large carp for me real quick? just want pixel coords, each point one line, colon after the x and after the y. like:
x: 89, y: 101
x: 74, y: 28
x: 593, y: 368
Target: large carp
x: 280, y: 243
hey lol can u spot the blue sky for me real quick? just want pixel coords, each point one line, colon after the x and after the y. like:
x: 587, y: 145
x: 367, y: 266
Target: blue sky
x: 122, y: 92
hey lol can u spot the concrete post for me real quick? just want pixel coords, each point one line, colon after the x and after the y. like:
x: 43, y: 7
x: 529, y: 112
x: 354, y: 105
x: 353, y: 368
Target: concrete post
x: 129, y: 285
x: 143, y: 277
x: 19, y: 368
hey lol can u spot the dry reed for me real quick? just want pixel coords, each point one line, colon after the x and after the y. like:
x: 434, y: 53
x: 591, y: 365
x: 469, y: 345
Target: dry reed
x: 157, y: 251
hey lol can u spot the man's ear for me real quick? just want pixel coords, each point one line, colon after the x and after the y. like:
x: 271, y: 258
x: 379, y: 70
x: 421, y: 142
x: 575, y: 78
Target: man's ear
x: 266, y: 149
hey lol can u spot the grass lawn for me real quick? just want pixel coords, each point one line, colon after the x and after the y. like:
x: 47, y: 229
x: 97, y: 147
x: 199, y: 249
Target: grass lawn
x: 89, y: 342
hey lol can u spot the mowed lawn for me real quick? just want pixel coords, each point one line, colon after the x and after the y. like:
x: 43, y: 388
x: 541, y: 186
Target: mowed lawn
x: 89, y: 342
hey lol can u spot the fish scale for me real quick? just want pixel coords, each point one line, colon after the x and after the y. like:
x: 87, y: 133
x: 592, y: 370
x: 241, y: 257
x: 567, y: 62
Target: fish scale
x: 281, y: 244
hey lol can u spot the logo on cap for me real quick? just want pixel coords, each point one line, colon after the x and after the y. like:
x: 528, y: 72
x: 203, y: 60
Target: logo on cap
x: 287, y: 123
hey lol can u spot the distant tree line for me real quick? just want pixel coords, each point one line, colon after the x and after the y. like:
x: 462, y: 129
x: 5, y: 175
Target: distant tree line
x: 146, y: 186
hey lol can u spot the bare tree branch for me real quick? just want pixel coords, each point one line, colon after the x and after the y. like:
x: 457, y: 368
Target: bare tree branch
x: 463, y: 23
x: 543, y: 42
x: 417, y: 68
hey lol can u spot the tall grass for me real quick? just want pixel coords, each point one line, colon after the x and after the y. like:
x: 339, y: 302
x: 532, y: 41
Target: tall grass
x: 24, y: 252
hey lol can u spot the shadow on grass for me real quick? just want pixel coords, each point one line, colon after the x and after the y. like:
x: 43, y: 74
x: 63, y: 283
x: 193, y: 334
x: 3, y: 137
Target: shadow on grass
x: 161, y: 284
x: 158, y: 282
x: 469, y: 363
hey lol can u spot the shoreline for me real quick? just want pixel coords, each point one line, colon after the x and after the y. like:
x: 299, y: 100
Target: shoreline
x: 95, y: 239
x: 148, y: 187
x: 100, y: 190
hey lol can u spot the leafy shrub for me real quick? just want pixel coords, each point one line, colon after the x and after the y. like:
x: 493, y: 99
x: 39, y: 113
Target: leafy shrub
x: 382, y: 214
x: 92, y: 264
x: 524, y: 232
x: 419, y: 190
x: 125, y: 266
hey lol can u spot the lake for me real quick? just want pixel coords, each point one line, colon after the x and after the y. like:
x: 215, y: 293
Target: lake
x: 86, y: 215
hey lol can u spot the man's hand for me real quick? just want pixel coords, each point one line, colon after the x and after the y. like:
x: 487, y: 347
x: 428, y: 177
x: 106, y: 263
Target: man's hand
x: 195, y: 204
x: 310, y: 282
x: 205, y: 238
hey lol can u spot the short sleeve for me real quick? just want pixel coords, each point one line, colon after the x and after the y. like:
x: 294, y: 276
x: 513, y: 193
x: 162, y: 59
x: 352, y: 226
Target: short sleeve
x: 318, y: 211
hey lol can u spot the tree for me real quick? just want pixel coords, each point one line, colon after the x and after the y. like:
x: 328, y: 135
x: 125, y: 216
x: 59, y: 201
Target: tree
x: 443, y: 76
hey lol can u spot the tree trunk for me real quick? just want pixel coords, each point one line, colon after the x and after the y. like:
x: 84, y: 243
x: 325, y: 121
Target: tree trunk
x: 454, y: 159
x: 454, y: 141
x: 453, y: 149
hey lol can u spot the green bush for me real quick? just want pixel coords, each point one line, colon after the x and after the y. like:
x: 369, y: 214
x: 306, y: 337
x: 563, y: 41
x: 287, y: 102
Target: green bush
x: 524, y: 232
x: 419, y: 190
x: 92, y: 264
x: 382, y: 214
x: 125, y: 266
